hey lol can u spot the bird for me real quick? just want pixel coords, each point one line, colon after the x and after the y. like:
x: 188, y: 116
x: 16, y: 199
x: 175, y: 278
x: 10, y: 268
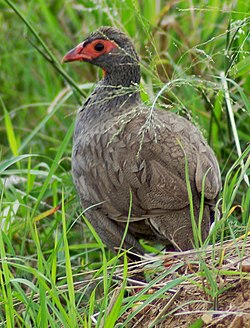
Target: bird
x: 130, y: 161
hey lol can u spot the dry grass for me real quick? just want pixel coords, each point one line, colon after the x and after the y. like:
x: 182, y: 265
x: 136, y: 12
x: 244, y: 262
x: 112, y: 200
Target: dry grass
x: 194, y: 301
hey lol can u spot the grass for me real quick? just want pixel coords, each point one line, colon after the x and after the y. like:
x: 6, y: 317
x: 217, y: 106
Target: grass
x: 195, y: 61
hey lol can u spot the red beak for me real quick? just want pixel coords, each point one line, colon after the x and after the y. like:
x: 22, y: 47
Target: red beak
x: 78, y: 53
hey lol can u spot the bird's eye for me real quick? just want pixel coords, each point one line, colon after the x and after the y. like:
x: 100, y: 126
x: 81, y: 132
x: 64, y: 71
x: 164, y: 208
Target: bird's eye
x: 99, y: 47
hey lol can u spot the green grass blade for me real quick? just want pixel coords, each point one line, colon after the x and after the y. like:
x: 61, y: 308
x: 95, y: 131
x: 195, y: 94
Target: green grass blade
x: 69, y: 276
x: 13, y: 143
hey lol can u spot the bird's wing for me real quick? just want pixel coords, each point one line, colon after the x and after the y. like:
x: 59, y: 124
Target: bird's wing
x: 161, y: 152
x: 207, y: 168
x: 147, y: 167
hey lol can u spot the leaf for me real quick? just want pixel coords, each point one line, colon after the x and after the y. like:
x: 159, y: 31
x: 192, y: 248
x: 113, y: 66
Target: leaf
x: 10, y: 131
x: 7, y: 163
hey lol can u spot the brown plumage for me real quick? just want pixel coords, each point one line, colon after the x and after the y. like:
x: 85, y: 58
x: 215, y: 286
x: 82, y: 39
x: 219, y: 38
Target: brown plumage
x: 125, y: 153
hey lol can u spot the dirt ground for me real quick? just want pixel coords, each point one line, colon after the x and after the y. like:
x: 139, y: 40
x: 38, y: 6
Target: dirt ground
x: 233, y: 310
x: 189, y: 306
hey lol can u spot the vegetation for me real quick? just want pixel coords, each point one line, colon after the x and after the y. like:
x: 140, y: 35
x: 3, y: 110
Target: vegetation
x: 55, y: 272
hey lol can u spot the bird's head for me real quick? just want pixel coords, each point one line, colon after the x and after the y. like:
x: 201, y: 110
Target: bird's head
x: 110, y: 49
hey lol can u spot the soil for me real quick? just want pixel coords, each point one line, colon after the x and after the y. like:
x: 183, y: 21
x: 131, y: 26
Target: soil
x: 233, y: 310
x: 193, y: 303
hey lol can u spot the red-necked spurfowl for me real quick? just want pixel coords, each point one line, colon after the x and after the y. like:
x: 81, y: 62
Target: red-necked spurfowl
x: 126, y: 154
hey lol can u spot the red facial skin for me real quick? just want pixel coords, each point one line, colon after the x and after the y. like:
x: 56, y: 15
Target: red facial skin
x: 88, y: 52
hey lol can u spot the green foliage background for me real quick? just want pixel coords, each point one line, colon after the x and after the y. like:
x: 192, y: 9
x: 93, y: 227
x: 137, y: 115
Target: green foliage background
x: 192, y: 49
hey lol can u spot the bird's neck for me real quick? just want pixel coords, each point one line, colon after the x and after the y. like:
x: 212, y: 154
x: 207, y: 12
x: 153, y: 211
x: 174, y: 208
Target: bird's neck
x: 106, y: 101
x: 120, y: 85
x: 118, y: 98
x: 124, y: 75
x: 116, y: 93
